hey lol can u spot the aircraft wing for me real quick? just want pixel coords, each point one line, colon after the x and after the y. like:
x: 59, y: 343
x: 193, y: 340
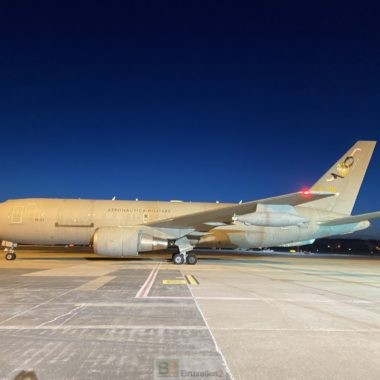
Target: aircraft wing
x: 352, y: 219
x: 199, y: 220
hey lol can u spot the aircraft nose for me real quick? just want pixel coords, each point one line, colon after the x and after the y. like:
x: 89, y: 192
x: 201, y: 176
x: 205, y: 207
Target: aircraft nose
x: 3, y: 219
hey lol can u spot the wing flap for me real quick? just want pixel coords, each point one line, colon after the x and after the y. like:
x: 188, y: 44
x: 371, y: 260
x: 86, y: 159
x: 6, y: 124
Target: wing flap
x: 199, y: 220
x: 352, y: 219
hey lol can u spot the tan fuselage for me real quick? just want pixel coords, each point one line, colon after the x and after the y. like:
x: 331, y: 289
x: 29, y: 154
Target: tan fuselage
x: 74, y: 221
x: 63, y: 221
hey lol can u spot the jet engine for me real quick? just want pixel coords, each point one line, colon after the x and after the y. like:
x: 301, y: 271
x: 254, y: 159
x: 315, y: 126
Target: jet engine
x: 270, y: 219
x: 127, y: 241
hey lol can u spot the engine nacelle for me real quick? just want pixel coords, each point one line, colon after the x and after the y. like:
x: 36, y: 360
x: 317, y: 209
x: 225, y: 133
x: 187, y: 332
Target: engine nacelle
x: 126, y: 241
x: 270, y: 219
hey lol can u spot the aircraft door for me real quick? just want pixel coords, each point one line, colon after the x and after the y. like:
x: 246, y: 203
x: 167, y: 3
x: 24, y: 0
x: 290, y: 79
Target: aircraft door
x: 17, y: 214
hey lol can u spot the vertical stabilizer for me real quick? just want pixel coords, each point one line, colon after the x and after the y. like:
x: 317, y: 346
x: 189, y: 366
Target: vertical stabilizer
x: 344, y: 178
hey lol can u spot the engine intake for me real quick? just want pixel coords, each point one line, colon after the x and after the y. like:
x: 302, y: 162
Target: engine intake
x: 126, y: 241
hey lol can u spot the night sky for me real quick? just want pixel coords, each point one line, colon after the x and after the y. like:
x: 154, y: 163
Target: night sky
x: 198, y: 100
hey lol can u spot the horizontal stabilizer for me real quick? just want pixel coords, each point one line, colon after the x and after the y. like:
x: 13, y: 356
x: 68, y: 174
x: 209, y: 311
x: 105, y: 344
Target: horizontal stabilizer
x: 298, y: 243
x: 225, y: 214
x: 352, y: 219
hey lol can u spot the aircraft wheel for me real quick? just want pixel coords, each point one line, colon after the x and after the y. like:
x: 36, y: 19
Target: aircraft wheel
x: 191, y: 259
x: 10, y: 256
x: 178, y: 259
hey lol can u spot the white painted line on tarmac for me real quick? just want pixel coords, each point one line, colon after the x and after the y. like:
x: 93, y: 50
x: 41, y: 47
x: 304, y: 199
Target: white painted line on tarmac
x: 103, y: 327
x: 145, y: 289
x: 266, y: 299
x: 170, y: 298
x: 218, y: 350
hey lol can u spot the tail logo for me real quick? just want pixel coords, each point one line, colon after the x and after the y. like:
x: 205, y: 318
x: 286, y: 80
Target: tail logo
x: 343, y: 168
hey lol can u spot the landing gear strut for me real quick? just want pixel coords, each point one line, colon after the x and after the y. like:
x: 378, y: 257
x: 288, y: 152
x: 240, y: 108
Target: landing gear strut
x: 181, y: 256
x: 9, y: 249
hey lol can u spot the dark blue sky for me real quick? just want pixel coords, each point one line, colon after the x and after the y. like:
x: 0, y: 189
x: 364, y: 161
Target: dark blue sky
x: 200, y: 100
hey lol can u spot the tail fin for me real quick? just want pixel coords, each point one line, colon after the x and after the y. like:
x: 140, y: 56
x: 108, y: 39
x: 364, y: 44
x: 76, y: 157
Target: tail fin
x: 344, y: 178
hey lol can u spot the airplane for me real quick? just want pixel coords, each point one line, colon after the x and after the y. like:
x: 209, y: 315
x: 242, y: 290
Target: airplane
x: 120, y: 228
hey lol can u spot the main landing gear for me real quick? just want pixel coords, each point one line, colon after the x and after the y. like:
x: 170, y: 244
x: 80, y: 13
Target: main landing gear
x: 9, y: 250
x: 181, y: 258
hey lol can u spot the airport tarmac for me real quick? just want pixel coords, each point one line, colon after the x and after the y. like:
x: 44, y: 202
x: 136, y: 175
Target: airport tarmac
x: 67, y: 314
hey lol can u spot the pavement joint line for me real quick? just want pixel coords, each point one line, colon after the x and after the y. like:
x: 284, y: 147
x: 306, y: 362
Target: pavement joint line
x: 144, y: 290
x: 35, y: 307
x: 217, y: 348
x: 95, y: 283
x: 131, y: 304
x: 294, y: 330
x: 169, y: 298
x: 70, y: 313
x: 300, y: 283
x: 285, y: 300
x: 331, y: 277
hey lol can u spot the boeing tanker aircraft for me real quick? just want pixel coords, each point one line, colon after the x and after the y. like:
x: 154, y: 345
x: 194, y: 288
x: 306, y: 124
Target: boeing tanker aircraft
x: 127, y: 228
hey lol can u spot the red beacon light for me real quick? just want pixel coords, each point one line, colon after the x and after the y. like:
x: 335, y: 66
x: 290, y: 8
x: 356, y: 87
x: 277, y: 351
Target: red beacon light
x: 306, y: 192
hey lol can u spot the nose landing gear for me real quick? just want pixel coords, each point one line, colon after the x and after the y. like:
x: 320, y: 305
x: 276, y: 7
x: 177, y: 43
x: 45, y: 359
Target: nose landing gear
x: 9, y: 249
